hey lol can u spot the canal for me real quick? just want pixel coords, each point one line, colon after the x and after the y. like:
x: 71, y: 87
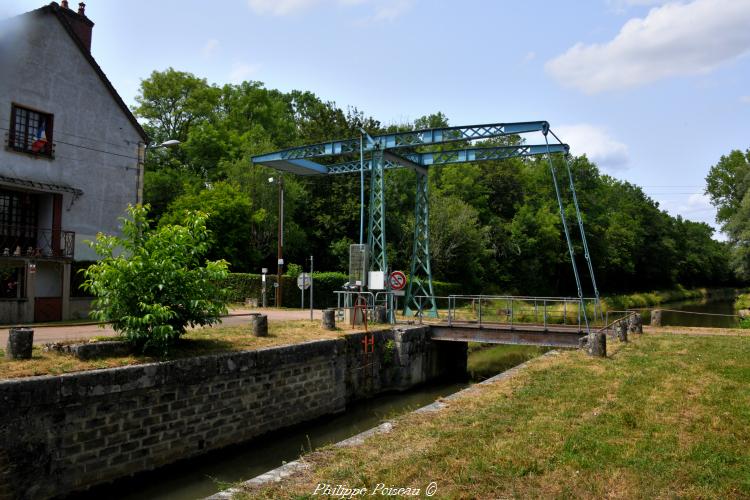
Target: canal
x: 699, y: 313
x: 203, y: 476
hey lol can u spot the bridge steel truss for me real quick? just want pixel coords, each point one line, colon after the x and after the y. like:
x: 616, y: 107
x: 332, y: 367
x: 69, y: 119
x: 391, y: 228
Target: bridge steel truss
x: 381, y: 153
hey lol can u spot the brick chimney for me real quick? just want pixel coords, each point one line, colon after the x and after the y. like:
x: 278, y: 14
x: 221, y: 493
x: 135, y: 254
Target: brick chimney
x: 81, y: 25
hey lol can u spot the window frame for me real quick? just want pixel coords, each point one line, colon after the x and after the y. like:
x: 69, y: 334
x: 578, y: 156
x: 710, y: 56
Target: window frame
x: 48, y: 151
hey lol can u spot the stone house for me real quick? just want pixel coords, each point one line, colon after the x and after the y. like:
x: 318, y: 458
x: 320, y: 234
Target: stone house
x: 70, y: 164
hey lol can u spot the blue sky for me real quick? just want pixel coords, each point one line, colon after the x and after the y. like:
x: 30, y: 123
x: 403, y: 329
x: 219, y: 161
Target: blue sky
x: 653, y: 91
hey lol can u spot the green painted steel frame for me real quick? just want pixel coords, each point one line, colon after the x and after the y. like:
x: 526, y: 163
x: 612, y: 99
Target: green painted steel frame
x: 384, y: 149
x: 420, y: 278
x: 376, y: 228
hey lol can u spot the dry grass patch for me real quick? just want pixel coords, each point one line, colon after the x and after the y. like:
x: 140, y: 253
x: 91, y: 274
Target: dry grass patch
x: 197, y: 342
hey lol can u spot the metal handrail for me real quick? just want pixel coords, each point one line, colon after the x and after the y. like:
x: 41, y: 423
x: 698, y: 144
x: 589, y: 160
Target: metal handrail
x: 529, y: 302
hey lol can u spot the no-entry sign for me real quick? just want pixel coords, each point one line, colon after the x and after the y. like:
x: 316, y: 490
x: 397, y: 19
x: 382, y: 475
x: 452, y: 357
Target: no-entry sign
x: 397, y: 280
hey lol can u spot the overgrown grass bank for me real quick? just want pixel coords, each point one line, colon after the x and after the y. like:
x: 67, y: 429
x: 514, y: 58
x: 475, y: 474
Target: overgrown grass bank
x: 194, y: 343
x: 667, y: 416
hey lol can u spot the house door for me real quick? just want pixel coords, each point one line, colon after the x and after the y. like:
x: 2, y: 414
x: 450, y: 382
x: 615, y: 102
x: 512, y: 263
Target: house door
x: 47, y: 309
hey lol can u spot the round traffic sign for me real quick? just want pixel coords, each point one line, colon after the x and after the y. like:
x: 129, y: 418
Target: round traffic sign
x: 303, y: 281
x: 397, y: 280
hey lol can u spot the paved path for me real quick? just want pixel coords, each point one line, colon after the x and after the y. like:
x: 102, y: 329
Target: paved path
x: 46, y: 334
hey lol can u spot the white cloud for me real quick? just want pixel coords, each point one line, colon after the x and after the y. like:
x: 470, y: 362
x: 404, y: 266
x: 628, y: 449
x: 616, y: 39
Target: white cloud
x: 745, y: 99
x: 600, y: 148
x: 672, y: 40
x: 530, y: 56
x: 384, y: 10
x: 210, y: 47
x: 242, y: 71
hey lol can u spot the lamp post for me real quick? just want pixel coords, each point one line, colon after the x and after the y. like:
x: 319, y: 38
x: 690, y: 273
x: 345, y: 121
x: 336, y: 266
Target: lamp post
x: 280, y: 239
x: 142, y: 164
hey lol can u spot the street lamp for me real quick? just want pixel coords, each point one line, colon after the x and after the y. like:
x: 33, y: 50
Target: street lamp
x: 142, y: 164
x: 280, y: 239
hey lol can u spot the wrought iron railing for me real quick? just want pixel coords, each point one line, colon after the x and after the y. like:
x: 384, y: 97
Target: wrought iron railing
x: 32, y: 241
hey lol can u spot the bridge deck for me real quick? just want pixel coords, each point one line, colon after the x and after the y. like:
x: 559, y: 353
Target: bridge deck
x: 518, y: 333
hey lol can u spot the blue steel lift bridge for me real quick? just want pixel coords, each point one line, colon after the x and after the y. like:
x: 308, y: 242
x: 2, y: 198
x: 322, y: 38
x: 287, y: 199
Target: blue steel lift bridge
x: 415, y: 149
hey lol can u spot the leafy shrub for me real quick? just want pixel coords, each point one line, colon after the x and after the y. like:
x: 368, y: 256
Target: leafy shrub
x: 151, y: 284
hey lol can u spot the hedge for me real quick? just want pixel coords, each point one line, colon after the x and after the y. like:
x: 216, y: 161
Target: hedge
x: 247, y: 285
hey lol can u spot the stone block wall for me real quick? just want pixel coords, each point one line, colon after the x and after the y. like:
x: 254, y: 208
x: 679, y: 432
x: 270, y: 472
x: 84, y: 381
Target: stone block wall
x: 66, y: 433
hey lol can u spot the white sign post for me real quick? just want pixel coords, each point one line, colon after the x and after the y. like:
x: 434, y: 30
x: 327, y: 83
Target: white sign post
x: 303, y: 283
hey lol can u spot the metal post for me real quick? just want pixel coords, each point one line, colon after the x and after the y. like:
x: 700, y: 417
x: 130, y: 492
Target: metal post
x: 361, y: 188
x: 263, y: 287
x: 565, y: 230
x: 302, y: 294
x: 376, y: 236
x: 311, y: 287
x: 280, y: 242
x: 420, y: 277
x: 511, y: 312
x: 544, y: 312
x: 565, y: 311
x: 480, y: 311
x: 583, y: 234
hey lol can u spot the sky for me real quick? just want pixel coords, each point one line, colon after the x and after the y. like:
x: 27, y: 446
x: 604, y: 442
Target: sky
x: 653, y: 91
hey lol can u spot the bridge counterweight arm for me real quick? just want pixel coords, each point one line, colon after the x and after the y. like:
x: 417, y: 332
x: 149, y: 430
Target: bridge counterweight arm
x: 438, y: 158
x: 409, y: 139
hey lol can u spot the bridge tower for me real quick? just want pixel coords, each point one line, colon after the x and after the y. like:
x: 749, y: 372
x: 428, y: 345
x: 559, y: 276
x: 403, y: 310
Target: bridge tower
x: 416, y: 150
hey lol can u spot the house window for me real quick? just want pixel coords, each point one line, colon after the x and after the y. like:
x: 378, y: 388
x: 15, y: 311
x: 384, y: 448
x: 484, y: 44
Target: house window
x: 30, y: 131
x: 18, y: 219
x: 11, y: 282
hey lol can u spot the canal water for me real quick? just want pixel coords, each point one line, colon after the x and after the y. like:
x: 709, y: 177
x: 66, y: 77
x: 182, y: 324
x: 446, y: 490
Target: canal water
x: 203, y: 476
x: 712, y: 314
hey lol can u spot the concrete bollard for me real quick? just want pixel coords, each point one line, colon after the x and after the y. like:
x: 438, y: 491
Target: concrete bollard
x: 260, y: 325
x: 20, y: 343
x: 380, y: 315
x: 598, y: 345
x: 622, y: 331
x: 329, y: 319
x: 656, y: 317
x: 636, y: 323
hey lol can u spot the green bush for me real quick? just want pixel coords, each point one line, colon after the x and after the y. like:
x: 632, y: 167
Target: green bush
x: 152, y: 283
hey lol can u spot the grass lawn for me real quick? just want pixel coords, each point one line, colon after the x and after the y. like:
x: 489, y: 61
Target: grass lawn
x: 194, y: 343
x: 666, y: 416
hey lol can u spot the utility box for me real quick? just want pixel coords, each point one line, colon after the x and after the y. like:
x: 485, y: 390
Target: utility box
x: 359, y: 259
x: 376, y: 280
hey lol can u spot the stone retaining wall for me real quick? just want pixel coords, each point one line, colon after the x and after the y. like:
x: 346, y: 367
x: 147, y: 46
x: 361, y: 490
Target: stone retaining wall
x: 66, y: 433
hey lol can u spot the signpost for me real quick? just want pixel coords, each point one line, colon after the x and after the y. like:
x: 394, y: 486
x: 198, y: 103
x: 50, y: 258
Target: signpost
x: 303, y: 283
x: 397, y: 280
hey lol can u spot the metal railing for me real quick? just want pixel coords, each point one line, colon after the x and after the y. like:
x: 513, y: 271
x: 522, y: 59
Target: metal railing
x: 507, y: 309
x: 348, y: 299
x: 33, y: 241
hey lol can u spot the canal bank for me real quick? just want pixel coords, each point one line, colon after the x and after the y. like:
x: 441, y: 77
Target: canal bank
x: 206, y: 475
x: 66, y: 433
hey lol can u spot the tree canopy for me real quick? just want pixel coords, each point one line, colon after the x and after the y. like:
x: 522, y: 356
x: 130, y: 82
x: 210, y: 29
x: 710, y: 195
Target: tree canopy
x: 494, y: 226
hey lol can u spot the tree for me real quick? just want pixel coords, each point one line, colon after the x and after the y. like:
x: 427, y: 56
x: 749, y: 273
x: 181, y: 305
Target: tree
x: 728, y: 186
x: 233, y: 223
x: 727, y: 183
x: 151, y: 283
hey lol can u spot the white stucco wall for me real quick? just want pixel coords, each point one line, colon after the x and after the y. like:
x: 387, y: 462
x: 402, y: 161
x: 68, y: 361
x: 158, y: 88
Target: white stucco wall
x: 43, y: 69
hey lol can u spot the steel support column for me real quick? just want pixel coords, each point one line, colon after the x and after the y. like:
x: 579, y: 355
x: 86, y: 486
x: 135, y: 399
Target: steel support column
x: 376, y: 229
x: 420, y: 279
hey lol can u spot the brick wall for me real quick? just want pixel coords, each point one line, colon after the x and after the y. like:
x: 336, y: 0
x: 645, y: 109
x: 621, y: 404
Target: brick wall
x: 66, y: 433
